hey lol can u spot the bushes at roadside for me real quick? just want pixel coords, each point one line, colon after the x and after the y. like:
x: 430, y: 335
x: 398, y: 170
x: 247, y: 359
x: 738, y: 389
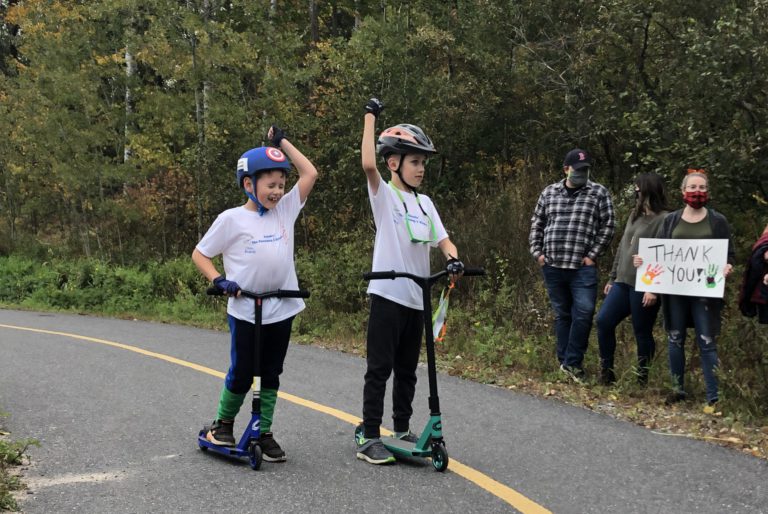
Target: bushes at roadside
x: 172, y: 290
x: 499, y: 326
x: 11, y: 454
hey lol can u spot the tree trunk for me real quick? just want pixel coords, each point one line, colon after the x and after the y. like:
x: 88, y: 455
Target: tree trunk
x: 313, y: 23
x: 130, y: 71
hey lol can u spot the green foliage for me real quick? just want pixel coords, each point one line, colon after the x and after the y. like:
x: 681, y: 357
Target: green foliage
x: 111, y: 172
x: 11, y: 454
x: 165, y: 291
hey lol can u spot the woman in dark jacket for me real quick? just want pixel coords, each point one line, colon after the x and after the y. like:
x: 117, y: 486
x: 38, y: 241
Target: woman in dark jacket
x: 753, y: 297
x: 695, y: 221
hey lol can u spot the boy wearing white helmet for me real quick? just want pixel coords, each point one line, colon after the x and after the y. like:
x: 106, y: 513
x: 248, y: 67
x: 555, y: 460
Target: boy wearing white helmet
x: 256, y: 244
x: 407, y: 226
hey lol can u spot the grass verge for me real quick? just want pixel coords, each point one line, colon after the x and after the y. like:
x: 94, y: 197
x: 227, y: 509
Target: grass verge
x: 12, y: 455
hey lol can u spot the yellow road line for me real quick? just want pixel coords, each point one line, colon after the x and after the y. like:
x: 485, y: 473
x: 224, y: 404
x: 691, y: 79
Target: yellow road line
x: 509, y: 495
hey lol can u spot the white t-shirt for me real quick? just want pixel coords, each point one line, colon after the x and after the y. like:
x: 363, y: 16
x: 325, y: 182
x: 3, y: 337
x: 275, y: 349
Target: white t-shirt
x: 393, y: 249
x: 258, y: 255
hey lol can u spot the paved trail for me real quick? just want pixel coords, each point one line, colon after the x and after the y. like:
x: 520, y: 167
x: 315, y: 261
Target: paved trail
x: 117, y: 426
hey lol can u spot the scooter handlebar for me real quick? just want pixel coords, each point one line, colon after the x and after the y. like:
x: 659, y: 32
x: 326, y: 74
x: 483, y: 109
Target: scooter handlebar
x: 378, y: 275
x: 280, y: 293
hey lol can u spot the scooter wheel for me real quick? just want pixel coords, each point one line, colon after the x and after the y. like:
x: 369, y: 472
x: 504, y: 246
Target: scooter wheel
x: 439, y: 457
x: 254, y: 454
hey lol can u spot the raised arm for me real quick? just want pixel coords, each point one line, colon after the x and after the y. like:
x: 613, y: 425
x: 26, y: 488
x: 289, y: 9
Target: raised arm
x: 368, y: 146
x: 305, y: 168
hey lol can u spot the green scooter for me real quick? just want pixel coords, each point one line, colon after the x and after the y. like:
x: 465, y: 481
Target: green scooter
x: 430, y: 443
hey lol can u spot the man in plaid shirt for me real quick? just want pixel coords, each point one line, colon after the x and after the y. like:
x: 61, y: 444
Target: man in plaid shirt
x: 571, y: 227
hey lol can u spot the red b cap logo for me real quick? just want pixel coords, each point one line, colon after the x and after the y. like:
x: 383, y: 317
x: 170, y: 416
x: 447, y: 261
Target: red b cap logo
x: 582, y: 156
x: 275, y: 155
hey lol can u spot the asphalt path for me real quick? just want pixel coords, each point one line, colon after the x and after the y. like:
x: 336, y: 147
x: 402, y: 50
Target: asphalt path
x: 118, y: 434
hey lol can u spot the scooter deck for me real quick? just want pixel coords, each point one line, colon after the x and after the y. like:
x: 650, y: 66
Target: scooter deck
x: 232, y: 451
x: 400, y: 447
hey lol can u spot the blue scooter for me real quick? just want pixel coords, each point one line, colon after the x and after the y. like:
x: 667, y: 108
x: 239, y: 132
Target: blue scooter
x: 431, y: 443
x: 248, y: 446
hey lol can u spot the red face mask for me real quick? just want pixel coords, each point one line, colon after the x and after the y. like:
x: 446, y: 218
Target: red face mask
x: 696, y: 199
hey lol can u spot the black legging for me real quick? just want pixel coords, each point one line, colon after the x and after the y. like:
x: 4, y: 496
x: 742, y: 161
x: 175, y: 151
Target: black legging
x: 394, y: 343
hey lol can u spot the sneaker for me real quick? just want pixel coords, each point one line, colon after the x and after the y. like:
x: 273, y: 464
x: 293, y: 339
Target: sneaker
x: 407, y: 436
x: 574, y: 373
x: 374, y: 451
x: 271, y: 451
x: 675, y: 397
x: 220, y: 432
x: 607, y: 377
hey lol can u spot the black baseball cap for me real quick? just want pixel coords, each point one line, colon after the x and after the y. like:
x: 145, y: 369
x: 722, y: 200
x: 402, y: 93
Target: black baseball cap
x: 577, y: 159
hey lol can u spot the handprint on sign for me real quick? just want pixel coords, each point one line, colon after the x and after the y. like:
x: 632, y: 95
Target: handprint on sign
x: 711, y: 274
x: 651, y: 272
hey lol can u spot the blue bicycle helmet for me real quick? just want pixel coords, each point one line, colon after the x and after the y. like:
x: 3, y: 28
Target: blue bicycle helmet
x: 263, y: 158
x: 258, y: 160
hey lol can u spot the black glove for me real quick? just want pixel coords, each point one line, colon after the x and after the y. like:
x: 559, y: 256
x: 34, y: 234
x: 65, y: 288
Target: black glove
x: 374, y: 106
x: 230, y: 287
x: 454, y: 266
x: 277, y: 135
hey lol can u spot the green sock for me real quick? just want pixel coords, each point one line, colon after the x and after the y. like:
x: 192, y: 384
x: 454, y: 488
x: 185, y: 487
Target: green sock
x: 268, y: 400
x: 229, y: 404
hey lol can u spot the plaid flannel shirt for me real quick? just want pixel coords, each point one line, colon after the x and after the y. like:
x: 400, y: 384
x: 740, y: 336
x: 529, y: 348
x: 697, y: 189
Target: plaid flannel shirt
x: 566, y: 228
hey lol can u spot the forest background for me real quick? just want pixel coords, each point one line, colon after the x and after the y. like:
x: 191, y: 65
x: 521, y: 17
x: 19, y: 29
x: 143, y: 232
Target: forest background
x: 121, y: 122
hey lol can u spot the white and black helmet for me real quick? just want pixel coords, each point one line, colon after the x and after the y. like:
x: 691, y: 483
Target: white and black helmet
x: 402, y: 139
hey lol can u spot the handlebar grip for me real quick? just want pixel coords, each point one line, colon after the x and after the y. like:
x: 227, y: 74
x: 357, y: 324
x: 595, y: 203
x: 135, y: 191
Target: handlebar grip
x: 474, y: 272
x: 214, y: 291
x: 378, y: 275
x: 293, y: 294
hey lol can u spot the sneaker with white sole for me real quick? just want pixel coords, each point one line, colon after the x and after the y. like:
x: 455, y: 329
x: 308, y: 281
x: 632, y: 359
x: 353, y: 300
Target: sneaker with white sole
x: 574, y: 373
x: 220, y: 432
x: 374, y: 451
x: 270, y: 450
x: 407, y: 436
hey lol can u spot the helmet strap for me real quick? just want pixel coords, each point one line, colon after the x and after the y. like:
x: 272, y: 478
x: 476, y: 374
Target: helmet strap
x: 252, y: 196
x: 399, y: 173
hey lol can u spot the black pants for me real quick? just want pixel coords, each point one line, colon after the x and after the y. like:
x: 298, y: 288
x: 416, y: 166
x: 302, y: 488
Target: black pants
x: 394, y: 343
x: 274, y: 346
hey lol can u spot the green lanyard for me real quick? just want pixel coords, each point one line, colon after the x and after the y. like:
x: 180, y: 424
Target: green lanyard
x: 414, y: 239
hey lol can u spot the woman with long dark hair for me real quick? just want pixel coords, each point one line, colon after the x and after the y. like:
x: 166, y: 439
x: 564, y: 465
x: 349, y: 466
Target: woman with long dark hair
x: 621, y: 298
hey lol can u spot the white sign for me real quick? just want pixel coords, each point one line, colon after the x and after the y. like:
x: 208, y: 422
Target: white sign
x: 687, y: 267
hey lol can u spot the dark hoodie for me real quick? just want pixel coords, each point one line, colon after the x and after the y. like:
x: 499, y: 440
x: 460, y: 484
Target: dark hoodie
x: 753, y: 296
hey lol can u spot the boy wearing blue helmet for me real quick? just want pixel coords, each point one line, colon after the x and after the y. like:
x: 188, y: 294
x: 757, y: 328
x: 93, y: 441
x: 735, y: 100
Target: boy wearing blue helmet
x: 255, y: 241
x: 407, y: 226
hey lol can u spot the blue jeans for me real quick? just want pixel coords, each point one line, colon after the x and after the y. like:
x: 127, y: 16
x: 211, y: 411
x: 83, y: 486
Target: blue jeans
x: 622, y: 301
x: 681, y: 309
x: 572, y: 293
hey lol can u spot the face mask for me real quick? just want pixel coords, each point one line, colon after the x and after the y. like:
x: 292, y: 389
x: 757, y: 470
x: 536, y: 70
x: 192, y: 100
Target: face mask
x: 637, y: 194
x: 578, y: 177
x: 696, y: 199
